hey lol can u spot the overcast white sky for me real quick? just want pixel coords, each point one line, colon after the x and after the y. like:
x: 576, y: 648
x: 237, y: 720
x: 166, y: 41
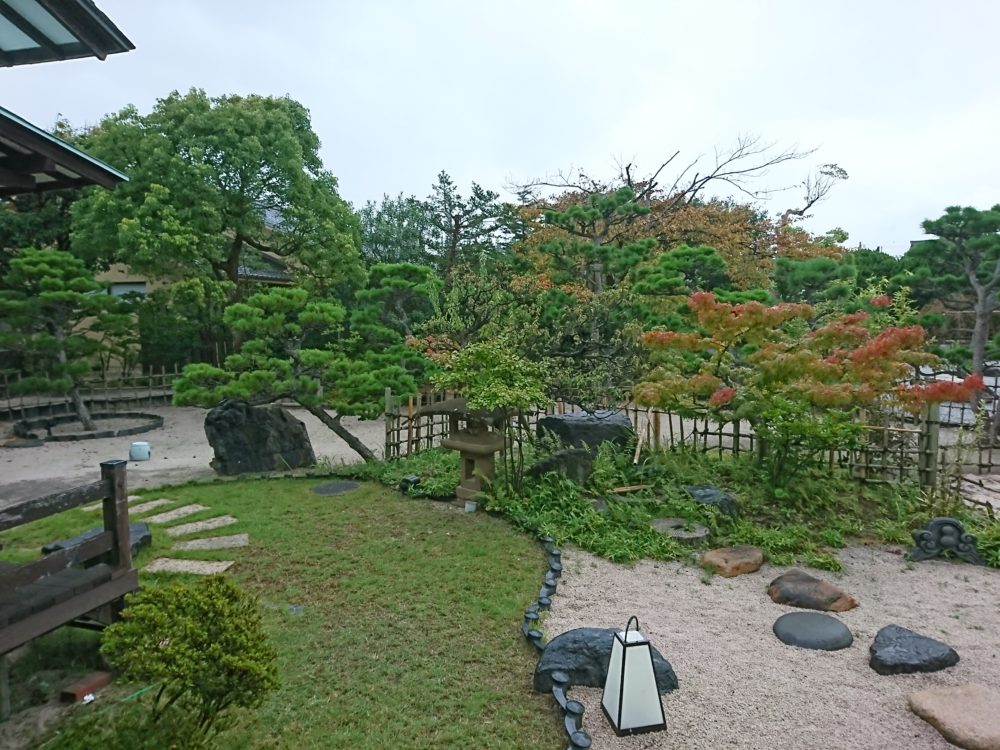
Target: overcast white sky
x: 904, y: 94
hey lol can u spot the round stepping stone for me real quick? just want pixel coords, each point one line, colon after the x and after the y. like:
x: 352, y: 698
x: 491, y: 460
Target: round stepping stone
x: 812, y: 630
x: 675, y: 528
x: 898, y: 650
x: 335, y: 488
x: 966, y: 715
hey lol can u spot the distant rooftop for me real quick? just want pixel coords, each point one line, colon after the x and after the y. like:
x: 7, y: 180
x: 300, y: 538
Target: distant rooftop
x: 35, y: 31
x: 32, y: 160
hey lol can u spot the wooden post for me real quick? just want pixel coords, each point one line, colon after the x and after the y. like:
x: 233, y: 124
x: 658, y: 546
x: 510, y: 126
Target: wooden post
x: 409, y: 423
x: 116, y: 513
x: 930, y: 427
x: 4, y: 687
x: 388, y: 424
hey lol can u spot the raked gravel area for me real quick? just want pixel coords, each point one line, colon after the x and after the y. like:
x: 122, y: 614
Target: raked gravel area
x: 740, y: 687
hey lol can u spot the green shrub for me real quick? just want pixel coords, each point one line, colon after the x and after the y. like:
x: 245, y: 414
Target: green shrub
x: 437, y: 468
x: 203, y: 644
x: 128, y: 726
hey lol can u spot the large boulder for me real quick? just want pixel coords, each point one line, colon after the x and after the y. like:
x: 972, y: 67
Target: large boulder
x: 586, y: 430
x: 256, y: 438
x: 584, y: 653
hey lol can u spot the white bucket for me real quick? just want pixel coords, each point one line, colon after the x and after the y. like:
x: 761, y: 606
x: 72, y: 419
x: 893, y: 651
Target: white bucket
x: 471, y: 506
x: 139, y: 452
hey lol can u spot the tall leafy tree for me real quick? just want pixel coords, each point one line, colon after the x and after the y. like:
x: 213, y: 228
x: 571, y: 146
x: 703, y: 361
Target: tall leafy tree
x: 48, y: 298
x: 465, y: 229
x: 396, y: 230
x: 210, y: 178
x: 963, y: 262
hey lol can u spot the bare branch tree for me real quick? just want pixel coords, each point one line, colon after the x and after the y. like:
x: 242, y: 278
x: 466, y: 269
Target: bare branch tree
x: 817, y: 187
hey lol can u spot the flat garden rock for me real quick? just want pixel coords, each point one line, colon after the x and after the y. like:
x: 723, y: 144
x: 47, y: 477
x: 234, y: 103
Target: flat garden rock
x: 676, y: 529
x: 799, y: 589
x: 336, y: 488
x: 177, y: 513
x: 583, y: 654
x: 195, y: 567
x: 812, y: 630
x: 733, y: 561
x: 966, y: 715
x: 195, y: 526
x: 141, y: 508
x: 215, y: 542
x: 897, y: 650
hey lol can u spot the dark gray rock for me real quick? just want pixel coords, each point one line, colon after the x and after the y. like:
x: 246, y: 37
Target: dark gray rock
x: 897, y: 650
x: 706, y: 494
x: 588, y: 430
x: 575, y: 463
x: 139, y: 534
x: 335, y: 488
x: 812, y: 630
x: 944, y: 536
x: 256, y: 438
x: 583, y: 654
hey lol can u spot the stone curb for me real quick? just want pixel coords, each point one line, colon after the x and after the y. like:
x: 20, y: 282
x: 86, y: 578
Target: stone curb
x: 572, y: 711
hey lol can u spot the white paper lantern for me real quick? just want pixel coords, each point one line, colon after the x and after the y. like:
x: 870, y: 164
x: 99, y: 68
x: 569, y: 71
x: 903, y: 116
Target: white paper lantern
x: 631, y: 701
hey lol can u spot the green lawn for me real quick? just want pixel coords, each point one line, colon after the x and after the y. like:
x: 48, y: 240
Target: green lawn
x: 395, y: 620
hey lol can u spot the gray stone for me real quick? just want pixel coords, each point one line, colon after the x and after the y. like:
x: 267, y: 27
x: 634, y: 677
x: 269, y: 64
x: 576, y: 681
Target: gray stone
x: 177, y: 513
x: 966, y: 715
x: 249, y: 438
x: 897, y: 650
x: 195, y: 526
x: 585, y: 430
x: 583, y: 654
x: 194, y: 567
x: 812, y: 630
x: 676, y: 528
x: 945, y: 536
x: 139, y: 534
x: 575, y: 463
x: 335, y: 488
x: 707, y: 494
x: 215, y: 542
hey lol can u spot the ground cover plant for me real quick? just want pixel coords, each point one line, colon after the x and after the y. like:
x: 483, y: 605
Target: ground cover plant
x: 394, y: 620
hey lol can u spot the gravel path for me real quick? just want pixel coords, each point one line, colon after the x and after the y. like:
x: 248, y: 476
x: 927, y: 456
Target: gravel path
x: 180, y: 453
x: 742, y: 688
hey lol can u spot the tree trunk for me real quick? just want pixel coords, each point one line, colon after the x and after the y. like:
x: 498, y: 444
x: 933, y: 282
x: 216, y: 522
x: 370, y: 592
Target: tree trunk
x: 81, y: 408
x: 981, y: 328
x: 334, y: 423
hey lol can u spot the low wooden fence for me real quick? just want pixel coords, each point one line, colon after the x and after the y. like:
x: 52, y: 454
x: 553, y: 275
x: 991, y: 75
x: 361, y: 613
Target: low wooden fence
x: 108, y: 393
x: 936, y: 449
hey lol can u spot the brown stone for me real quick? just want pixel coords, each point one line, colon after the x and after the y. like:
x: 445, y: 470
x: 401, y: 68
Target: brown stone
x: 733, y: 561
x: 966, y: 715
x: 798, y: 589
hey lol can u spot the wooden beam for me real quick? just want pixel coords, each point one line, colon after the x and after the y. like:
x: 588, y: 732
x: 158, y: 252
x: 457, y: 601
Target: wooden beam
x: 20, y: 575
x: 16, y: 180
x: 31, y: 510
x: 40, y: 623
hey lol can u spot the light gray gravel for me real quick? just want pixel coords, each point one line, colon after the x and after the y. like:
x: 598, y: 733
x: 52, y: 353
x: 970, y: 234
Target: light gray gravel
x: 742, y: 688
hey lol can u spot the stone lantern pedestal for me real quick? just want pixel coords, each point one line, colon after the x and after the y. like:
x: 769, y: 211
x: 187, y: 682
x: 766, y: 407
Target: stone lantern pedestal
x: 476, y: 449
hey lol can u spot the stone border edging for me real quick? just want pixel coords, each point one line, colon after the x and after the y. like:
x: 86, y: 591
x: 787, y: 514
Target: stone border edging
x: 23, y: 427
x: 572, y: 711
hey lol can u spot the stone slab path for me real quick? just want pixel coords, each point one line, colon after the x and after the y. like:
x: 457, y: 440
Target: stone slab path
x: 136, y: 510
x: 215, y: 542
x: 195, y: 567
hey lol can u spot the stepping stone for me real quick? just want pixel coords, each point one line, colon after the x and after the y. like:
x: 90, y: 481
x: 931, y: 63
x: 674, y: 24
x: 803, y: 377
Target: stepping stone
x: 196, y: 567
x: 898, y: 650
x: 145, y: 507
x: 733, y: 561
x: 798, y: 589
x: 195, y: 526
x: 335, y: 488
x: 674, y: 528
x: 215, y: 542
x: 812, y: 630
x: 177, y: 513
x: 966, y: 715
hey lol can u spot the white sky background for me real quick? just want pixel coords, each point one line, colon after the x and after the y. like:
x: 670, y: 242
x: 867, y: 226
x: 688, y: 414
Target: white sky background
x: 903, y: 94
